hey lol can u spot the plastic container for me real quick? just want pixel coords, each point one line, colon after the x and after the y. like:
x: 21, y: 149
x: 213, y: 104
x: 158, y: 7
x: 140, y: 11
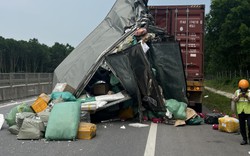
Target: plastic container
x: 86, y: 131
x: 39, y: 105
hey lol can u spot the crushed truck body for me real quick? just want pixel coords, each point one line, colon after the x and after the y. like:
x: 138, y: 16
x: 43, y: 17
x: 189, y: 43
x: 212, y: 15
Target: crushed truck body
x: 116, y: 48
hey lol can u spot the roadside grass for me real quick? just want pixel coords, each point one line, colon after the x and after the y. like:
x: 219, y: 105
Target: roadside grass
x: 217, y: 102
x: 227, y: 85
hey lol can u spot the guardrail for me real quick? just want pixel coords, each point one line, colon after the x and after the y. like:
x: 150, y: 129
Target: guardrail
x: 233, y: 74
x: 21, y: 85
x: 240, y: 74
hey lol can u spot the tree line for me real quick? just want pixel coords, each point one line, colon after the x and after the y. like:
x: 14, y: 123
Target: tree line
x: 227, y: 43
x: 30, y: 56
x: 227, y: 36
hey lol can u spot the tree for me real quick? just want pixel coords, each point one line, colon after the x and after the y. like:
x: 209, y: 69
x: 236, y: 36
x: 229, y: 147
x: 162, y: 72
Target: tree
x: 31, y: 56
x: 227, y: 36
x: 57, y: 54
x: 3, y: 67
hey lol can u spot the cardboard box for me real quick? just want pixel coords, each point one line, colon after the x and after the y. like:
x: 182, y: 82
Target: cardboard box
x: 63, y: 87
x: 190, y: 113
x: 86, y: 131
x: 100, y: 89
x: 179, y: 123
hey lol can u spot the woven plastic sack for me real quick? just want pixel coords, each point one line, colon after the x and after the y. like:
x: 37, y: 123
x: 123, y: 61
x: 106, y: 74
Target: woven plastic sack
x: 14, y: 129
x: 228, y: 124
x: 44, y: 116
x: 195, y: 121
x: 21, y: 116
x: 32, y: 128
x: 178, y: 109
x: 11, y: 116
x: 63, y: 121
x: 66, y: 96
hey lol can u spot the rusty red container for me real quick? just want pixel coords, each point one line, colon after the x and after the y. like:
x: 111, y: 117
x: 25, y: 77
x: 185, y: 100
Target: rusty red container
x: 186, y: 24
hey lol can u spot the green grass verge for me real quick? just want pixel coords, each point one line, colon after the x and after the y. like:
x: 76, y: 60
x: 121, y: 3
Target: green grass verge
x: 217, y: 102
x: 226, y: 85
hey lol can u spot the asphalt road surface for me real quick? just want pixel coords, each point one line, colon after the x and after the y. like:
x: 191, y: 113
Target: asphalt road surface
x: 119, y: 139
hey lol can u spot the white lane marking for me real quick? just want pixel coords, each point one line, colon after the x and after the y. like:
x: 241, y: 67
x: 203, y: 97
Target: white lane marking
x: 150, y: 146
x: 16, y: 103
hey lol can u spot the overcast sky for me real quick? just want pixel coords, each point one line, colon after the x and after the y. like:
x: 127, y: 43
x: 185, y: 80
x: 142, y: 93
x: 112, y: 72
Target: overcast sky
x: 63, y: 21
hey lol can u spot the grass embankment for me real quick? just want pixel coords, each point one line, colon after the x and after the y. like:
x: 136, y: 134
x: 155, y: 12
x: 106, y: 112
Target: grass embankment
x: 225, y: 85
x: 217, y: 102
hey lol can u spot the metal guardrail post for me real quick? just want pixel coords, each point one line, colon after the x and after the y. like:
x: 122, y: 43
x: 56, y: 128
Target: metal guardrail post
x: 51, y: 80
x: 39, y: 83
x: 10, y: 79
x: 26, y: 84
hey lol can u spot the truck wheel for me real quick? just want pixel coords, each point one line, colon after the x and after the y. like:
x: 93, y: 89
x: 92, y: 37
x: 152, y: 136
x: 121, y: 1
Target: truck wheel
x: 198, y: 107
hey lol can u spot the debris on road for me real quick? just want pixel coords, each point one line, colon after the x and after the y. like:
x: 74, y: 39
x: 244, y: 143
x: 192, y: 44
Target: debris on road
x: 1, y: 120
x: 123, y: 127
x: 86, y: 131
x: 138, y: 125
x: 228, y: 124
x: 123, y: 73
x: 212, y: 118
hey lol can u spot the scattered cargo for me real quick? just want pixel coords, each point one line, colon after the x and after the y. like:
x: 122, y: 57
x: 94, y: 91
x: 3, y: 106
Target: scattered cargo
x: 119, y: 76
x: 1, y: 120
x: 228, y: 124
x: 86, y: 131
x: 212, y: 118
x: 63, y: 87
x: 39, y: 105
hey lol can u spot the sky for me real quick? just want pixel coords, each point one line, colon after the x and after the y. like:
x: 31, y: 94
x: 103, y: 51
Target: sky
x: 62, y: 21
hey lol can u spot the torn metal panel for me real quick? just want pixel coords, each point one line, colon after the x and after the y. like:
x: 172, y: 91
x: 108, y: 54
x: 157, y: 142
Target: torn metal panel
x: 81, y: 63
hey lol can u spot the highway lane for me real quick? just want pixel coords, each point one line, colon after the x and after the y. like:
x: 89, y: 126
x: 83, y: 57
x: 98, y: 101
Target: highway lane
x: 112, y: 140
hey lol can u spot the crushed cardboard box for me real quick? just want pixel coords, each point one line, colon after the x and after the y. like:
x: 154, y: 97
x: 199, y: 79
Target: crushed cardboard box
x: 190, y: 113
x: 63, y: 87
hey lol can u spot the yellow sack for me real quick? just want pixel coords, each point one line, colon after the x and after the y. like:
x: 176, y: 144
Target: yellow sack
x: 228, y: 124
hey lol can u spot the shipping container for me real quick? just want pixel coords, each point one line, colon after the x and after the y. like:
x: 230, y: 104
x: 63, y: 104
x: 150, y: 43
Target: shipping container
x: 186, y: 24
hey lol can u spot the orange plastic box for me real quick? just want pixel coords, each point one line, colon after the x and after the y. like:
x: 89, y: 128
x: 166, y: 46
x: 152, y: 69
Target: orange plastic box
x: 45, y: 97
x: 86, y: 131
x: 39, y: 105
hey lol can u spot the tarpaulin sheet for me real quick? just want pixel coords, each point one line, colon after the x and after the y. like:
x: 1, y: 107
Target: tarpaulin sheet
x: 166, y: 58
x: 135, y: 73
